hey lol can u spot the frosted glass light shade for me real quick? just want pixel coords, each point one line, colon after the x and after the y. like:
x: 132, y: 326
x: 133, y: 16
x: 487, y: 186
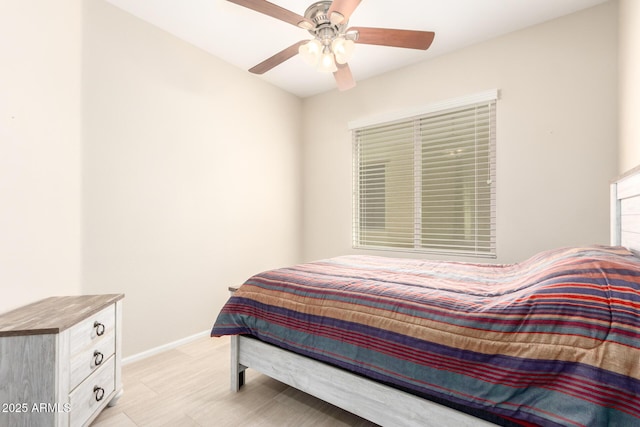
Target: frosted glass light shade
x: 311, y: 52
x: 327, y: 63
x: 342, y: 49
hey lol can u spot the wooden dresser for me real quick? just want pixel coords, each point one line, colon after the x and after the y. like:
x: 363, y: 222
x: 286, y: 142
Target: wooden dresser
x: 60, y: 360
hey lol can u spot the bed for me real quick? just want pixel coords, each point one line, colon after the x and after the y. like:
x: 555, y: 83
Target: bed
x: 553, y: 340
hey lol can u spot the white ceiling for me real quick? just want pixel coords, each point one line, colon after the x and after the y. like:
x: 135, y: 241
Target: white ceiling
x: 244, y: 38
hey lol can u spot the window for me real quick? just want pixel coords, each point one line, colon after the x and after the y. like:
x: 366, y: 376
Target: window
x: 427, y: 183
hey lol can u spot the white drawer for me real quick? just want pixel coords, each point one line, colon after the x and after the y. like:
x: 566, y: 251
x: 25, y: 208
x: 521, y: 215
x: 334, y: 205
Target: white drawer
x: 91, y: 358
x: 93, y: 393
x: 88, y: 332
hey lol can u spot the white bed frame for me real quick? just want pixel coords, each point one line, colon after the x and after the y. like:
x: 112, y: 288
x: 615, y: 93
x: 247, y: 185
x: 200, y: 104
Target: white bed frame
x: 382, y: 404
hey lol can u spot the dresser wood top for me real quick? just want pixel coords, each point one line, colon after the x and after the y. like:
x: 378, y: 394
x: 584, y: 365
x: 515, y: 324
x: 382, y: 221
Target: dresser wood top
x: 53, y: 315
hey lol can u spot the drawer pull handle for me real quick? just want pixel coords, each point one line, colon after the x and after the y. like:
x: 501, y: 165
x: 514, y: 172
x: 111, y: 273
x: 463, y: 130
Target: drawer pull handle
x: 99, y: 328
x: 99, y: 393
x: 97, y: 357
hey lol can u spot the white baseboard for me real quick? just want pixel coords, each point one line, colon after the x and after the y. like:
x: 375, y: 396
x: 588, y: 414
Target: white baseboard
x: 164, y: 347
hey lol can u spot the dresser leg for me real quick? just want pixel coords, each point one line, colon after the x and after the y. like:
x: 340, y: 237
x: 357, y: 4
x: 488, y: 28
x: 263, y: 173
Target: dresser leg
x: 115, y: 398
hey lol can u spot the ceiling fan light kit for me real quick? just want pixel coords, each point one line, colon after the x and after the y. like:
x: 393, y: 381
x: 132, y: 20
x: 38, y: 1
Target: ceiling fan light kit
x: 329, y: 45
x: 333, y: 43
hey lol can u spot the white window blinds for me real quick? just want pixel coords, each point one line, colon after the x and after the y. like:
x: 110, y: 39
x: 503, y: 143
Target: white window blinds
x: 427, y: 183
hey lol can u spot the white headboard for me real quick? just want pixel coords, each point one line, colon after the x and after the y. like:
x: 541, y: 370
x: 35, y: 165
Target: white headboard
x: 625, y: 210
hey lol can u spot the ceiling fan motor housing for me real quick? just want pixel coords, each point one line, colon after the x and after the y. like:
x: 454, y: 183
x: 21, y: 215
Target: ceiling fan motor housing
x: 324, y: 30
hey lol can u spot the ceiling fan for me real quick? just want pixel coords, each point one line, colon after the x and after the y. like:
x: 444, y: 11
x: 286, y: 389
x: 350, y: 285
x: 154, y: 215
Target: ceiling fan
x: 332, y: 43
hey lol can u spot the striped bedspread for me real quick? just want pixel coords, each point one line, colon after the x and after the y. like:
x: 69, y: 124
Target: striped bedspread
x: 551, y: 341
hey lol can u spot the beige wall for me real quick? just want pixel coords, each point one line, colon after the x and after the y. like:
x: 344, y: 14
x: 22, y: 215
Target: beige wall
x: 556, y: 133
x: 191, y: 173
x: 629, y: 84
x: 133, y: 162
x: 40, y: 148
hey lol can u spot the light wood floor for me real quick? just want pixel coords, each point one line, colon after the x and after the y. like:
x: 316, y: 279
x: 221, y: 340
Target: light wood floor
x: 189, y: 386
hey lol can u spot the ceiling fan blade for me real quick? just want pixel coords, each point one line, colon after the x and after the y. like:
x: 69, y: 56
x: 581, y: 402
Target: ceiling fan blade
x: 276, y: 11
x: 344, y: 78
x: 278, y: 58
x: 396, y: 38
x: 344, y: 9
